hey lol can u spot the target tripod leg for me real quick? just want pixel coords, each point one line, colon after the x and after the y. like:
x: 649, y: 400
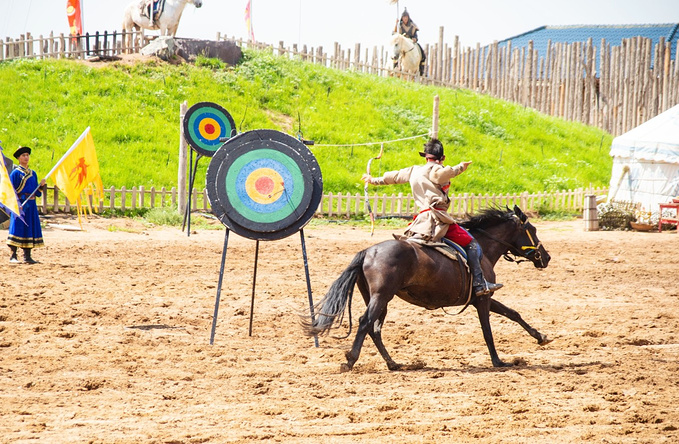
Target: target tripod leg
x: 308, y: 282
x: 219, y: 288
x: 188, y: 200
x: 188, y: 204
x: 254, y: 280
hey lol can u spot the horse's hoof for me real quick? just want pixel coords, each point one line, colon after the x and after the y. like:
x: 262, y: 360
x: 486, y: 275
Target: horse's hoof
x: 502, y: 364
x: 394, y: 366
x: 545, y: 340
x: 345, y: 368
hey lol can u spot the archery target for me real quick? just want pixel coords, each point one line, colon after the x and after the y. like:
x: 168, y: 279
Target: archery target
x: 205, y: 123
x: 264, y: 184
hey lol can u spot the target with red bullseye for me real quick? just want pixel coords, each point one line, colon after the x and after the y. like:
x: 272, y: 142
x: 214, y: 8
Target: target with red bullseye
x: 264, y: 184
x: 206, y: 124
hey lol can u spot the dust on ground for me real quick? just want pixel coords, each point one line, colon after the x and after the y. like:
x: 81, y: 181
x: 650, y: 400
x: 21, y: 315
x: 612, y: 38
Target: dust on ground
x: 107, y: 341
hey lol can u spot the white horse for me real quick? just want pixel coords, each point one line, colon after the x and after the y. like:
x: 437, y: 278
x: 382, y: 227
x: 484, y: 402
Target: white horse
x: 167, y: 21
x: 407, y: 53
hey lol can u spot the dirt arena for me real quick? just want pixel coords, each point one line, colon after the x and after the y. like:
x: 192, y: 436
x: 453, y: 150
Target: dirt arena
x: 107, y: 341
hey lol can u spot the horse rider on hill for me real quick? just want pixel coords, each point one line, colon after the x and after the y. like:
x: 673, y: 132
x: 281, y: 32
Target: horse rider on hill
x: 429, y: 184
x: 149, y: 7
x: 408, y: 28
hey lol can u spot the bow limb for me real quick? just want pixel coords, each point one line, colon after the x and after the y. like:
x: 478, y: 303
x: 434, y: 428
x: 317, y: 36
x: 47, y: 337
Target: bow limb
x: 365, y: 189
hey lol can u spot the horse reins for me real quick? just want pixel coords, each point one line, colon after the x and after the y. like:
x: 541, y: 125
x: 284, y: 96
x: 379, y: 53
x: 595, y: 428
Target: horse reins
x: 525, y: 250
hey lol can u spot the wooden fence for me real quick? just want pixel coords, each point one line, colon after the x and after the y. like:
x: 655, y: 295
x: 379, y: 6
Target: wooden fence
x: 613, y: 87
x: 106, y: 44
x: 332, y: 204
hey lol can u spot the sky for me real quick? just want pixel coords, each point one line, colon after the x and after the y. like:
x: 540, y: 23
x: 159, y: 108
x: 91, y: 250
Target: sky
x: 368, y: 22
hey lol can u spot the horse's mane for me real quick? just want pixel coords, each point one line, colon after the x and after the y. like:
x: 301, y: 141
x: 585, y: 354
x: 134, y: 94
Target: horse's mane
x: 488, y: 218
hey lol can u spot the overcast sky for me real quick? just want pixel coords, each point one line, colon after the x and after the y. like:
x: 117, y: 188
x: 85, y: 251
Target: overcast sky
x: 369, y: 22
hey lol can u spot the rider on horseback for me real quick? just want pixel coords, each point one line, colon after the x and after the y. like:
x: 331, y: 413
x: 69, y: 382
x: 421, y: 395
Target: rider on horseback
x: 408, y: 28
x: 150, y: 8
x: 429, y: 184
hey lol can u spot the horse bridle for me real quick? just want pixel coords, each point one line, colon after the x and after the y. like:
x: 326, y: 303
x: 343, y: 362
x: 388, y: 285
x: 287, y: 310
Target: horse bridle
x: 525, y: 251
x: 402, y: 52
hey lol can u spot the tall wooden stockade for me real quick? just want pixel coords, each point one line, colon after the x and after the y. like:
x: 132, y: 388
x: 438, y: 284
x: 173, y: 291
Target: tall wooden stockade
x: 615, y: 88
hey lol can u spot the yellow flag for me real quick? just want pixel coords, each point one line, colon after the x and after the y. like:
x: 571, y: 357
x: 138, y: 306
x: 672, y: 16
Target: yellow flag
x: 78, y: 169
x: 8, y: 197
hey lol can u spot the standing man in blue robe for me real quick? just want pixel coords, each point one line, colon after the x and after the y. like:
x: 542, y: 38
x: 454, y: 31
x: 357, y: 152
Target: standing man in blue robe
x: 25, y: 234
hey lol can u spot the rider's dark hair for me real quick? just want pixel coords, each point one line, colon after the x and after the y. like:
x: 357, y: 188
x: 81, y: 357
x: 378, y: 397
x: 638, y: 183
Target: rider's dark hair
x: 433, y: 149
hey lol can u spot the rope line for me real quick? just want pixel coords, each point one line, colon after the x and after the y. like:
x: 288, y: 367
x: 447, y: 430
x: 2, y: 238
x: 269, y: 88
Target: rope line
x: 374, y: 143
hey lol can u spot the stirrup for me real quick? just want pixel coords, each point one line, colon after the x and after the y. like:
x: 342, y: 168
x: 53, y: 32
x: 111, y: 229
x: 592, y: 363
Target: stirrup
x: 488, y: 288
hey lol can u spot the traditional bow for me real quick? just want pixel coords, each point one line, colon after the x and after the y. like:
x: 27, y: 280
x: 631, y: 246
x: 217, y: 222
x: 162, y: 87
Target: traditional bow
x: 365, y: 189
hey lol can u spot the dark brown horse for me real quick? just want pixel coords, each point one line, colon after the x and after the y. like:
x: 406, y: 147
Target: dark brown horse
x: 426, y: 278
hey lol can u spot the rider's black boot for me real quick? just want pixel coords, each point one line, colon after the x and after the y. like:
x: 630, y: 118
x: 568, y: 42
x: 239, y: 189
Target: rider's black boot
x: 480, y: 286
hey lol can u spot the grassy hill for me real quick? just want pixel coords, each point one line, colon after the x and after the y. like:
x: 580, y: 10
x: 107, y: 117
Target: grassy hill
x: 133, y: 110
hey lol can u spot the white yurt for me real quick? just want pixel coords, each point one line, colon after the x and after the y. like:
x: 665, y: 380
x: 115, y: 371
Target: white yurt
x: 646, y: 162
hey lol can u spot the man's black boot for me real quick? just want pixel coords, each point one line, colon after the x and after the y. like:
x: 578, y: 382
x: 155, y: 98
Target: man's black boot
x: 13, y: 259
x: 480, y: 286
x: 27, y: 257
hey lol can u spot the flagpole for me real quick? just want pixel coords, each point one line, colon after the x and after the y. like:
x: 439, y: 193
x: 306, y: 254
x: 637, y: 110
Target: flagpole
x: 70, y: 150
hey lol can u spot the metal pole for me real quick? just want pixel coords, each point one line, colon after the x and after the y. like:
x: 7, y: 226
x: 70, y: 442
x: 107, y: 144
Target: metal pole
x: 308, y: 282
x: 187, y: 219
x: 219, y: 288
x: 193, y: 181
x: 254, y: 280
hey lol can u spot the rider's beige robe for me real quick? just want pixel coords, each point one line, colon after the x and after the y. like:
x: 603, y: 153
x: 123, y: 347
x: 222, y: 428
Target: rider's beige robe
x: 429, y: 184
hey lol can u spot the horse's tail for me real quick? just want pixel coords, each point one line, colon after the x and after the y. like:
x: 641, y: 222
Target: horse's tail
x: 331, y: 308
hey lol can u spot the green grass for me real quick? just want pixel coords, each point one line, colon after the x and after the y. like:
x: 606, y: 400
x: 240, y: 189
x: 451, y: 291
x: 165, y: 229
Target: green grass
x: 134, y: 114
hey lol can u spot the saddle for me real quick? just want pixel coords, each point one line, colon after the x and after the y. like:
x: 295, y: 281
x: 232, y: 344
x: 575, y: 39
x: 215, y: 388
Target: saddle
x: 449, y: 249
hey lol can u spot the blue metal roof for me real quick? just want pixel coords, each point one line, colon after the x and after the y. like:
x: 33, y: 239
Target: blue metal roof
x: 613, y: 34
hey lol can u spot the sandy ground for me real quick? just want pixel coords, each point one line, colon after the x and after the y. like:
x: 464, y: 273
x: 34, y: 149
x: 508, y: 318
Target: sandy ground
x: 107, y: 341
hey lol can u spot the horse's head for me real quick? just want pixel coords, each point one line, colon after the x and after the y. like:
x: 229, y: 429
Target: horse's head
x: 527, y: 243
x: 401, y: 44
x: 513, y: 234
x: 396, y: 40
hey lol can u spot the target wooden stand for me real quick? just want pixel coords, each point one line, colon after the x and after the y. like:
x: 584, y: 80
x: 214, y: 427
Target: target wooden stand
x: 263, y: 185
x: 206, y: 126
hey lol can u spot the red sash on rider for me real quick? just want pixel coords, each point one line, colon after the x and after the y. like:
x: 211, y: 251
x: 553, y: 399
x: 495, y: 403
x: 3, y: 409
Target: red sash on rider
x: 455, y: 232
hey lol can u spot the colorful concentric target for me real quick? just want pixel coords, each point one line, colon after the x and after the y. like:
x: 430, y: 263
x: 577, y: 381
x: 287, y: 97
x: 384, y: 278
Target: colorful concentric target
x: 206, y: 125
x: 264, y: 184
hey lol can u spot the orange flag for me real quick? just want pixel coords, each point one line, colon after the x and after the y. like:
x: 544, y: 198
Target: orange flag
x: 75, y: 17
x: 78, y: 170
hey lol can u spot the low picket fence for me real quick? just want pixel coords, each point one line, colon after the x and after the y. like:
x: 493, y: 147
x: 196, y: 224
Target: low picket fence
x: 338, y: 205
